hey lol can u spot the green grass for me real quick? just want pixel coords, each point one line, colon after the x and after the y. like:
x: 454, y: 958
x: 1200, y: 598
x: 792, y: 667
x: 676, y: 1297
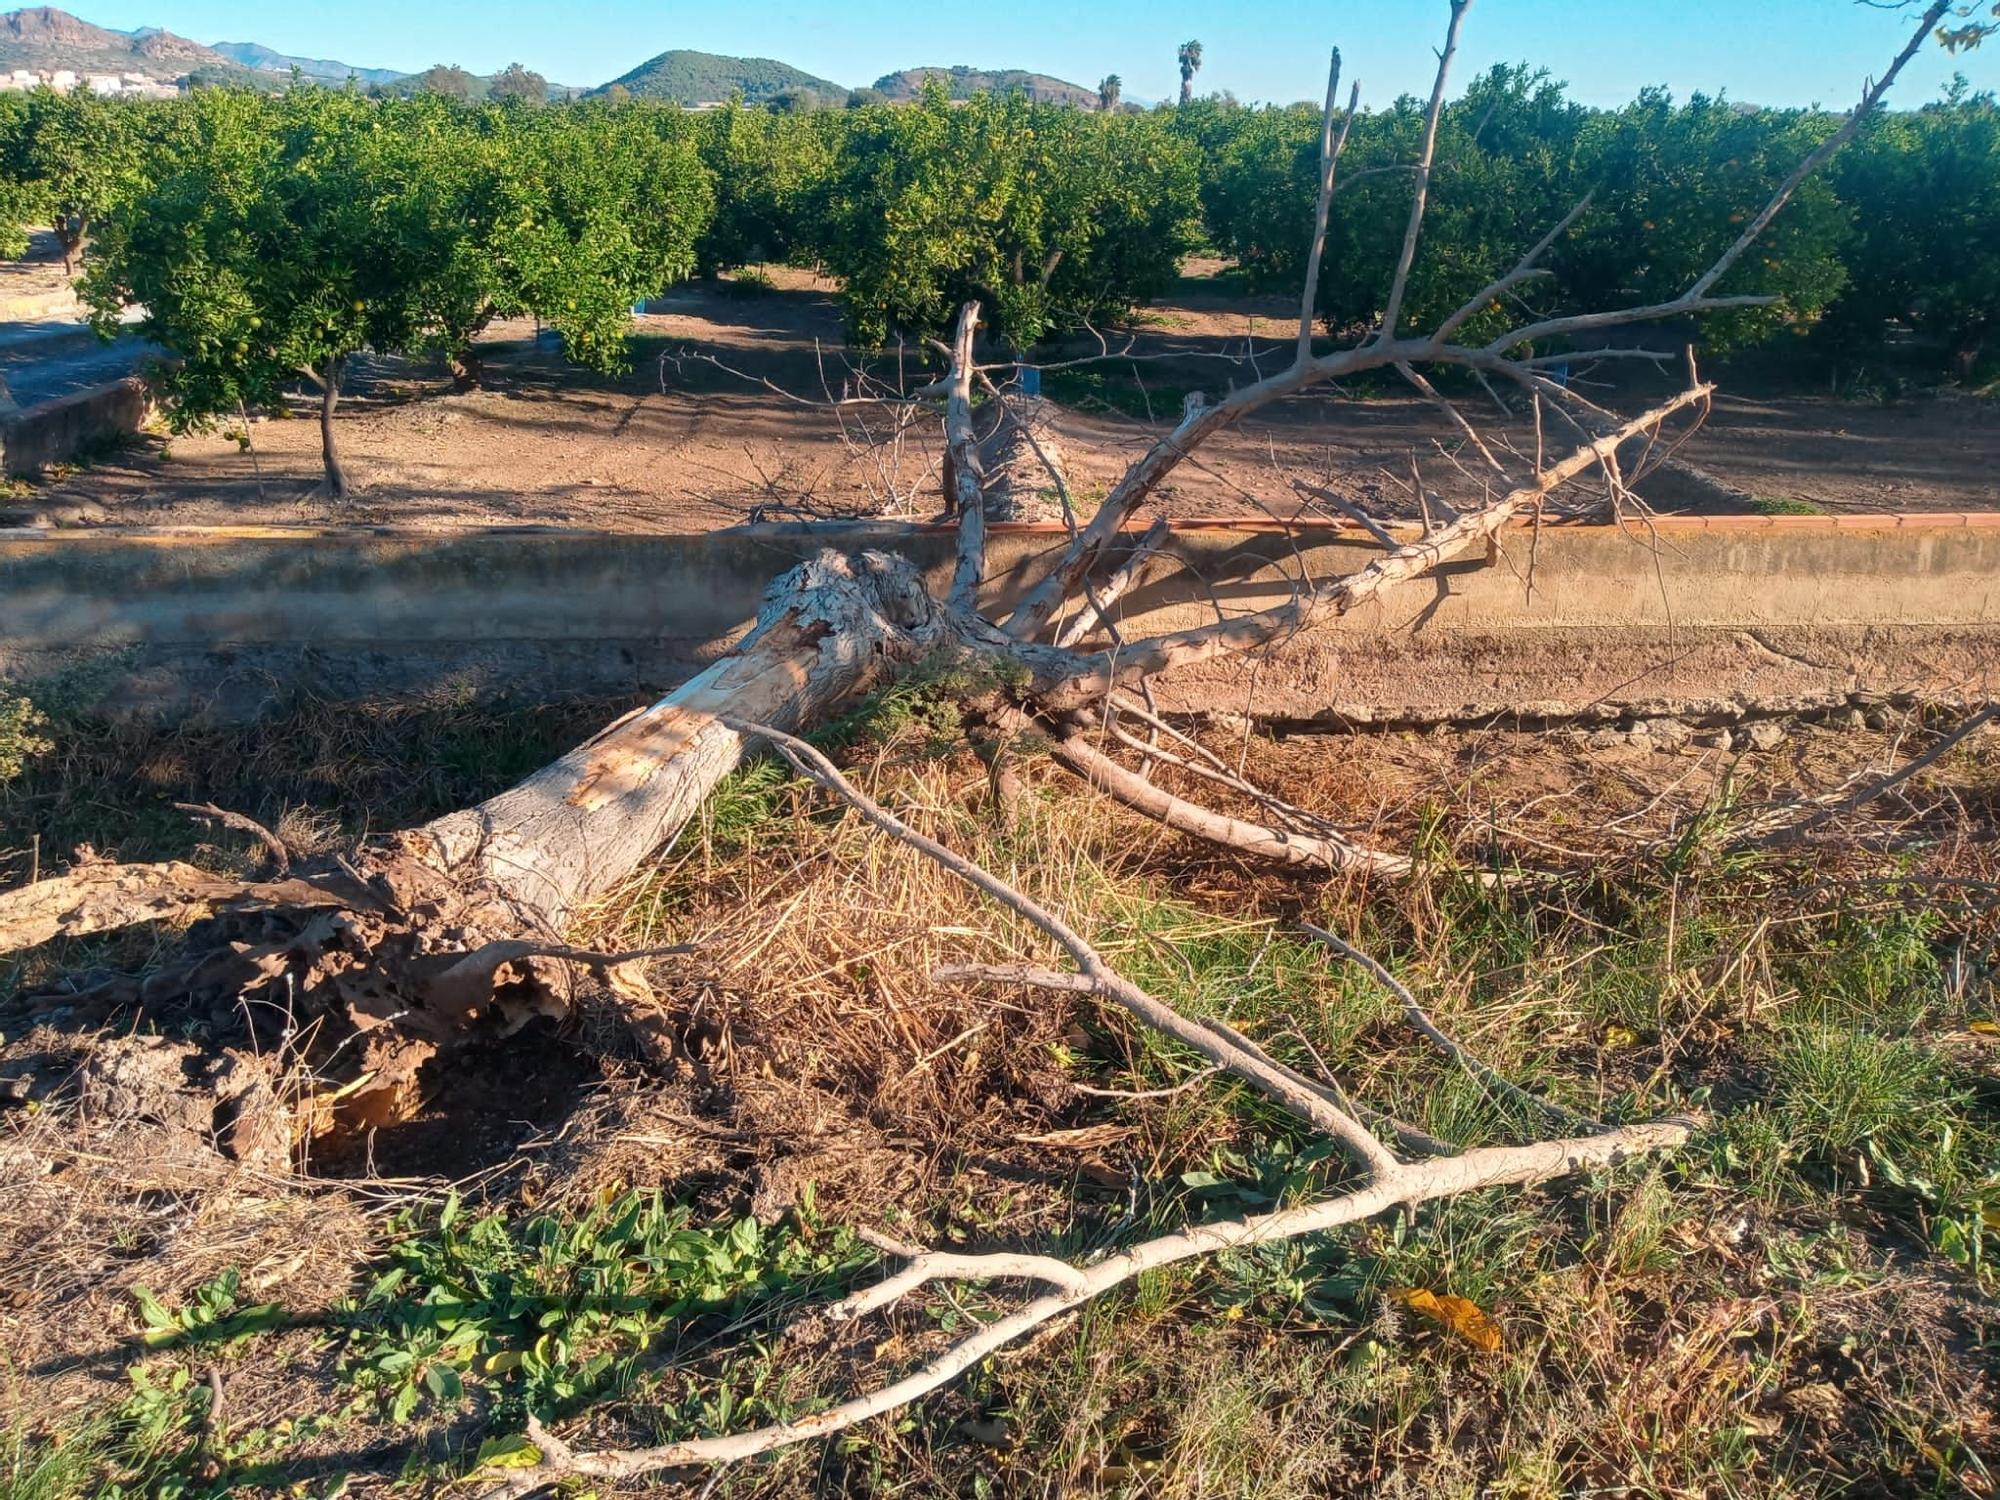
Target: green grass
x: 1113, y: 389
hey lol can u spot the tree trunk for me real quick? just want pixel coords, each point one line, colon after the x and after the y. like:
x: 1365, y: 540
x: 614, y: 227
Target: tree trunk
x: 830, y: 628
x: 467, y: 369
x: 1966, y: 349
x: 453, y: 930
x: 329, y: 397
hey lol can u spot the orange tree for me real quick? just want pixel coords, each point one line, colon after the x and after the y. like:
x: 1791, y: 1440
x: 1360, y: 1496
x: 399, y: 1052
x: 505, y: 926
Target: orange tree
x: 1925, y: 188
x: 280, y: 237
x: 1049, y: 216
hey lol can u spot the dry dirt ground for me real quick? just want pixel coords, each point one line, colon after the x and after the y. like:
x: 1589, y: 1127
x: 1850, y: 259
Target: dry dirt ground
x: 680, y: 443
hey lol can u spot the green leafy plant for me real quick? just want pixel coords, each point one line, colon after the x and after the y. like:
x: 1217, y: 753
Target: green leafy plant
x: 554, y: 1312
x: 214, y: 1315
x: 1050, y: 216
x: 21, y: 723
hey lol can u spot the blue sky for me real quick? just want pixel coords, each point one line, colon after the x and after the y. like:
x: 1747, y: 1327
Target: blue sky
x: 1766, y: 51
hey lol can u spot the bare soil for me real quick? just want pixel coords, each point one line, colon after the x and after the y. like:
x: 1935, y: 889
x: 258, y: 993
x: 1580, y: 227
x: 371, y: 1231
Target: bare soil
x: 681, y: 443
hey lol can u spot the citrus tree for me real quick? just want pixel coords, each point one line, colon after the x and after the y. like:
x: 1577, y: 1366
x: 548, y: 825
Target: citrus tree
x: 1050, y: 216
x: 598, y: 210
x: 284, y: 236
x: 1675, y: 184
x: 77, y: 156
x: 765, y: 165
x: 1925, y: 190
x: 280, y: 238
x: 17, y: 198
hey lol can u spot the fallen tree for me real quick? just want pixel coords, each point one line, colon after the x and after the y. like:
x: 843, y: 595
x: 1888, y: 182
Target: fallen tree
x: 417, y: 941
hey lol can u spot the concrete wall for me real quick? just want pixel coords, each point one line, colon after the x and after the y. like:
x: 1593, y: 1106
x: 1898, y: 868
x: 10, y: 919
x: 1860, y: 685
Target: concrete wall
x: 51, y: 431
x: 1692, y: 617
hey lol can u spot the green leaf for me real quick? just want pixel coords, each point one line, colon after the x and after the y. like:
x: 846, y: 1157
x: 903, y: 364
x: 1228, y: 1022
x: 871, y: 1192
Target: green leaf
x: 515, y: 1451
x: 444, y: 1382
x: 154, y: 1314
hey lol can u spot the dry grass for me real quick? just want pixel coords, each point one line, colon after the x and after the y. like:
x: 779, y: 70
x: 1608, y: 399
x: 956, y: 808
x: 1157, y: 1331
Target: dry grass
x: 1782, y: 1310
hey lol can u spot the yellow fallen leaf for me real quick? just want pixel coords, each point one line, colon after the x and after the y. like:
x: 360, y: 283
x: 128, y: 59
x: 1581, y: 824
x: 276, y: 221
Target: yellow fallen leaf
x: 1984, y: 1027
x: 1455, y: 1313
x: 1620, y: 1036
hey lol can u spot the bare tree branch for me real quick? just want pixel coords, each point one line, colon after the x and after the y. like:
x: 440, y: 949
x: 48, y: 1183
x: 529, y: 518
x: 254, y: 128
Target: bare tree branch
x: 1073, y: 687
x: 1392, y: 311
x: 1330, y: 152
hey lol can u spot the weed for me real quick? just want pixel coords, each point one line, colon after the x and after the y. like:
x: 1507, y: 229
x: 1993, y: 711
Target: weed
x: 556, y: 1312
x: 1785, y: 505
x: 1112, y: 390
x: 213, y: 1316
x: 748, y: 281
x: 20, y: 737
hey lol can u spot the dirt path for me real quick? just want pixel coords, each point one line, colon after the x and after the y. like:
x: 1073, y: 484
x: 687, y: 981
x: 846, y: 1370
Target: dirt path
x: 683, y: 444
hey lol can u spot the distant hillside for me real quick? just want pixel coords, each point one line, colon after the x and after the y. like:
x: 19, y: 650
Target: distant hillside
x: 44, y: 37
x: 262, y: 59
x: 964, y: 82
x: 706, y: 78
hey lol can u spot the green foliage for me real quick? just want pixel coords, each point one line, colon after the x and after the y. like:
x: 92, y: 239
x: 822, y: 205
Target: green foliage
x: 215, y: 1315
x: 288, y: 234
x: 554, y: 1311
x: 70, y: 160
x: 1925, y: 189
x: 1051, y: 216
x: 1675, y: 186
x: 20, y: 737
x: 280, y: 235
x: 763, y: 165
x: 593, y: 209
x: 1838, y: 1089
x: 1672, y: 186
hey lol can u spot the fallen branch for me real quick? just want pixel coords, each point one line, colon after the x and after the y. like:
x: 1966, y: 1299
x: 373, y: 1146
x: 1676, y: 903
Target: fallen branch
x: 1403, y: 1187
x: 280, y: 853
x: 1792, y: 832
x: 1386, y: 1183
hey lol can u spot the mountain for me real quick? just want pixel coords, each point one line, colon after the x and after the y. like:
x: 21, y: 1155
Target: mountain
x: 706, y: 78
x: 964, y: 82
x: 262, y: 59
x: 44, y: 37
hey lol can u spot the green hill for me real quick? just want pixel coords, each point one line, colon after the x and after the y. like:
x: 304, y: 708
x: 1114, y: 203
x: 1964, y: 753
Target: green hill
x: 964, y: 82
x: 708, y: 78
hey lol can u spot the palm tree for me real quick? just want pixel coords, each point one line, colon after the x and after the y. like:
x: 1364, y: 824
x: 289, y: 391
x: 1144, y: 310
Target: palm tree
x: 1190, y: 60
x: 1108, y: 92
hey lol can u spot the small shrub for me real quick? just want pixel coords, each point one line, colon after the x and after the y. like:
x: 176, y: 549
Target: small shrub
x: 20, y: 739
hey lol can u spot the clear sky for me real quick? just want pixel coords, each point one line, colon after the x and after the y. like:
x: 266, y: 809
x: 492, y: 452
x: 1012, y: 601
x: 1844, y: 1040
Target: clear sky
x: 1761, y: 51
